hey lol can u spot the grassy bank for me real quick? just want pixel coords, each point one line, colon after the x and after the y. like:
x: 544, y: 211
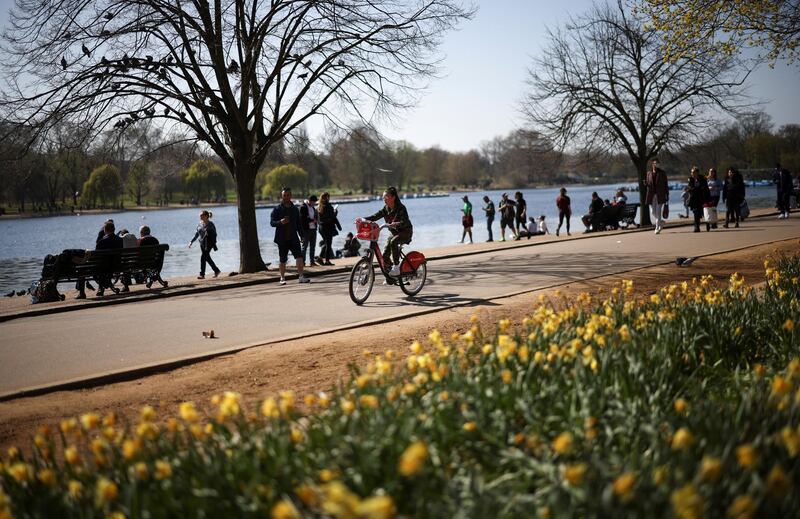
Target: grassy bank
x: 681, y: 405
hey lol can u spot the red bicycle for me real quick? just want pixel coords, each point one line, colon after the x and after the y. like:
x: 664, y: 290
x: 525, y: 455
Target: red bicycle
x: 413, y: 268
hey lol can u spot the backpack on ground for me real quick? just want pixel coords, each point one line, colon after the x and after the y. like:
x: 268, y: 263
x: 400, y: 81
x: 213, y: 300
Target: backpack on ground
x: 45, y: 291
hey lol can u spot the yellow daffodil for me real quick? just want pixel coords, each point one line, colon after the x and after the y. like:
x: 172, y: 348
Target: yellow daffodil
x: 412, y: 459
x: 105, y: 491
x: 682, y: 439
x: 563, y: 443
x: 623, y: 487
x: 743, y: 507
x: 687, y: 503
x: 573, y: 474
x: 746, y: 455
x: 284, y: 510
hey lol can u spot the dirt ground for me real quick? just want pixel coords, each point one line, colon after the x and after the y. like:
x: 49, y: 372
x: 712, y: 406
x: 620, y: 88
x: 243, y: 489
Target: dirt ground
x: 318, y: 363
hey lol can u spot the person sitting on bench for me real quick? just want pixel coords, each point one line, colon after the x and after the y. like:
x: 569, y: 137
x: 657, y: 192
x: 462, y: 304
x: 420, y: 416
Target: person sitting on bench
x: 595, y: 206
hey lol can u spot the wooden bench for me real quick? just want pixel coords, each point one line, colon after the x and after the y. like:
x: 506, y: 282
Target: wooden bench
x: 610, y: 218
x: 106, y: 266
x: 628, y: 215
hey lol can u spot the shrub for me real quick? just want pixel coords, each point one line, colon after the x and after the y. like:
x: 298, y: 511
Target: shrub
x: 684, y: 404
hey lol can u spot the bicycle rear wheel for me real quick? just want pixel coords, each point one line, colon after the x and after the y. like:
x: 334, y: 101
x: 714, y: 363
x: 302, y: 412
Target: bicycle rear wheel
x: 362, y: 279
x: 412, y: 282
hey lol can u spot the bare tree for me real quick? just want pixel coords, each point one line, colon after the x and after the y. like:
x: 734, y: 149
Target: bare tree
x: 603, y: 83
x: 238, y: 74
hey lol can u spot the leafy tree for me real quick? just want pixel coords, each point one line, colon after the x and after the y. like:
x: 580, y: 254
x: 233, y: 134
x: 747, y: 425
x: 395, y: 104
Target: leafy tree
x: 603, y: 83
x: 691, y: 27
x: 204, y: 178
x: 138, y: 182
x: 104, y: 184
x: 237, y: 75
x: 287, y: 175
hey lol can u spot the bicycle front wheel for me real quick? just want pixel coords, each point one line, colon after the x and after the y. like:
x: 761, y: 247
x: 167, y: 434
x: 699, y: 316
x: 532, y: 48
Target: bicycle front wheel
x: 362, y: 279
x: 412, y: 282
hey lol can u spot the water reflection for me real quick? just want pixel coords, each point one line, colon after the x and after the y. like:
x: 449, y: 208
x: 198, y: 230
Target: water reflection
x: 437, y: 222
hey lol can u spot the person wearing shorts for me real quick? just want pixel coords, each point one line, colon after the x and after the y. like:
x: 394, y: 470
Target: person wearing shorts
x: 466, y: 219
x: 286, y: 220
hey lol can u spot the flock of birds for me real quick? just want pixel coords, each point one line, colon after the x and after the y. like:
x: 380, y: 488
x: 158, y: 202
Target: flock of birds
x: 161, y: 68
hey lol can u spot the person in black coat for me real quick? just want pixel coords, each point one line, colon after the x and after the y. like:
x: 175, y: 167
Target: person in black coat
x: 733, y: 195
x: 698, y: 195
x: 785, y: 188
x: 286, y: 220
x: 328, y: 226
x: 109, y: 241
x: 207, y: 234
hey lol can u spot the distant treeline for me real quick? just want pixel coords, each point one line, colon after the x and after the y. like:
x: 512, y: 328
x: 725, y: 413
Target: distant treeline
x: 147, y: 167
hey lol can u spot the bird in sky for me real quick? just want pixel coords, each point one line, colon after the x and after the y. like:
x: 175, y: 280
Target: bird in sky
x: 86, y: 50
x: 63, y: 63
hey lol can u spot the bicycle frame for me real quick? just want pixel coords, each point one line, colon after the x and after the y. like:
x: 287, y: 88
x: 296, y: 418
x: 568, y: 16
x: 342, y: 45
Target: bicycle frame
x: 374, y: 252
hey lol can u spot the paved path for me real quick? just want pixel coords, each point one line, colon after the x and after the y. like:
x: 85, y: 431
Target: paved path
x: 55, y: 349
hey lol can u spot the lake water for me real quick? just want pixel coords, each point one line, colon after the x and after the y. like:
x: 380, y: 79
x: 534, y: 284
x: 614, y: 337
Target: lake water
x: 437, y: 222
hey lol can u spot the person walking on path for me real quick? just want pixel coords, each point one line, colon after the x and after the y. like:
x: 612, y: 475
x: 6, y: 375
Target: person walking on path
x: 506, y: 217
x: 698, y: 196
x: 396, y: 216
x: 329, y: 226
x: 466, y: 219
x: 657, y: 194
x: 564, y: 205
x: 285, y: 218
x: 309, y: 220
x: 522, y: 213
x: 207, y: 234
x: 714, y: 193
x: 489, y: 210
x: 784, y: 187
x: 733, y: 195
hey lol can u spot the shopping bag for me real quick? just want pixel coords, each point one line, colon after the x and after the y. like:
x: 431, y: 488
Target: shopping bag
x: 744, y: 210
x: 710, y: 214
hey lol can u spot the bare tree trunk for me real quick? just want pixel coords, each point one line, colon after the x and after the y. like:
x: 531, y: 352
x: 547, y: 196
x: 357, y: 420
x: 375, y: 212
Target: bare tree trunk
x: 644, y: 210
x: 249, y: 250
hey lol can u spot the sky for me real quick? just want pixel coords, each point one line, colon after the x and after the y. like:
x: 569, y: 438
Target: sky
x: 484, y: 69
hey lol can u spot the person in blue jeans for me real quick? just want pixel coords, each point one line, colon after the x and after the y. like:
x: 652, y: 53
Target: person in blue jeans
x: 490, y: 211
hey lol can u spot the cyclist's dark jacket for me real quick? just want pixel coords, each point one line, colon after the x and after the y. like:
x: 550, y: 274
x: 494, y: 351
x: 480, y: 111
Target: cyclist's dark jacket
x: 397, y: 215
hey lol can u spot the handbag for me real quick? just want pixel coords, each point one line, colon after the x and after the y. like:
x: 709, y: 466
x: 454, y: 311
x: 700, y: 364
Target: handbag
x: 710, y: 214
x: 665, y: 210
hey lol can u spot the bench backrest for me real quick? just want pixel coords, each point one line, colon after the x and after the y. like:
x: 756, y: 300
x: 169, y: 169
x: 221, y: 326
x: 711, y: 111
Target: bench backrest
x: 112, y: 261
x: 630, y: 210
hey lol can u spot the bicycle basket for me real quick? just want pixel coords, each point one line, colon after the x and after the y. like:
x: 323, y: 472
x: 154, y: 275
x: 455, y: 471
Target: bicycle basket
x: 368, y: 230
x: 412, y: 261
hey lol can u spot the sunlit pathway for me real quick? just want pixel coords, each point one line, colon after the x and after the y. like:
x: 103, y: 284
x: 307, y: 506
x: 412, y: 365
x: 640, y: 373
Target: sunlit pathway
x: 40, y: 351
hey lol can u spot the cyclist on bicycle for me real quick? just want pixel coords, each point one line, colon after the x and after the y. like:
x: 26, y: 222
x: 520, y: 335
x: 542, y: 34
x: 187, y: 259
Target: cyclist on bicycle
x: 396, y: 216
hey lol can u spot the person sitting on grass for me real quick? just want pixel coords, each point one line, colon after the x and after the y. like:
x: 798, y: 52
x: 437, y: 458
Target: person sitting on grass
x: 351, y: 246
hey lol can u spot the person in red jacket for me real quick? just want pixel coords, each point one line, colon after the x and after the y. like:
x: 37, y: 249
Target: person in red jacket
x: 564, y: 205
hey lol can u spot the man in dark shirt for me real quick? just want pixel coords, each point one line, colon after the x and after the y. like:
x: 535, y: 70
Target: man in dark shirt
x: 595, y: 206
x: 489, y: 210
x: 145, y: 238
x: 286, y: 220
x: 109, y: 241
